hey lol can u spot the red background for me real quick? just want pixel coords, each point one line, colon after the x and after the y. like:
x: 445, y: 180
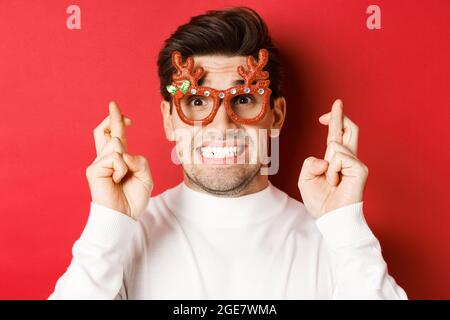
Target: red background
x: 55, y: 85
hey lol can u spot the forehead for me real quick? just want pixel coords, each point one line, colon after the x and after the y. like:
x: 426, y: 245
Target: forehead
x: 220, y: 66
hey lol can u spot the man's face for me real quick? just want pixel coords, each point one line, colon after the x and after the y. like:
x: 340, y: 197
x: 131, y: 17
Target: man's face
x: 222, y: 157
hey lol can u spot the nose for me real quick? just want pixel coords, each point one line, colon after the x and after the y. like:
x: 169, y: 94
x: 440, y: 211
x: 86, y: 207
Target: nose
x: 222, y: 121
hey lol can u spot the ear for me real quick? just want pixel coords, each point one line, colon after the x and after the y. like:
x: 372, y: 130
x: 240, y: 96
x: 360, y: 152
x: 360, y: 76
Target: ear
x: 278, y: 112
x: 167, y: 120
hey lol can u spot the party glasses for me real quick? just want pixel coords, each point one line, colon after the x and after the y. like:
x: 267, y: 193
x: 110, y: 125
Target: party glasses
x: 244, y: 104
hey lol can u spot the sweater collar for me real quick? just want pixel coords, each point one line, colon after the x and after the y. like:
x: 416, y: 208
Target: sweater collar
x: 210, y: 210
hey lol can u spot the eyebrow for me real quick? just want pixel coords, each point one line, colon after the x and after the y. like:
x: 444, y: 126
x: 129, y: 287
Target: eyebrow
x: 237, y: 82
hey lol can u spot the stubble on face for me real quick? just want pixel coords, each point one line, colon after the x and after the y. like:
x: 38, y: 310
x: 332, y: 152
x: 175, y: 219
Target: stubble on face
x: 224, y: 180
x: 230, y: 181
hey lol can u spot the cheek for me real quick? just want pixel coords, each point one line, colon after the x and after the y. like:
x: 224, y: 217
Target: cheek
x: 261, y: 128
x: 179, y: 125
x: 259, y: 135
x: 183, y: 132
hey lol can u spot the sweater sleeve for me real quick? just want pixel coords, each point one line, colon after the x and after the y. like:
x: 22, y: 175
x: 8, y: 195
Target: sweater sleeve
x: 359, y: 269
x: 97, y: 266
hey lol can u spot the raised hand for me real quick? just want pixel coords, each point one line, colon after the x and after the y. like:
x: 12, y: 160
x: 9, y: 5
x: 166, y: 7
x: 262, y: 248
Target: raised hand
x: 339, y: 179
x: 117, y: 179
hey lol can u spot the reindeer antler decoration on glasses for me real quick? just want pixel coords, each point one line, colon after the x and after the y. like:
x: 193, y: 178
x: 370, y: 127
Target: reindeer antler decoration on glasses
x: 245, y: 104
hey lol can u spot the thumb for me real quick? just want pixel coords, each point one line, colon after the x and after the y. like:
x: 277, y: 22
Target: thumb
x: 313, y: 167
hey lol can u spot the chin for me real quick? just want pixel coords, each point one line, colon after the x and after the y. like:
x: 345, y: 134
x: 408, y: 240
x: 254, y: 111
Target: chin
x: 222, y: 178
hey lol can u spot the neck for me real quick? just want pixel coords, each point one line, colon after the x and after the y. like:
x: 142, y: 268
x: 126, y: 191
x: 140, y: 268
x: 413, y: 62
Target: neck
x: 257, y: 183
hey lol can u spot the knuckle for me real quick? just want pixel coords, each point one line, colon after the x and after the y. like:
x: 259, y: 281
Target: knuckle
x: 116, y: 155
x: 366, y: 169
x: 336, y: 154
x: 334, y: 144
x: 117, y: 142
x: 308, y: 162
x: 143, y: 160
x: 122, y: 168
x: 116, y: 145
x: 89, y: 171
x: 96, y: 135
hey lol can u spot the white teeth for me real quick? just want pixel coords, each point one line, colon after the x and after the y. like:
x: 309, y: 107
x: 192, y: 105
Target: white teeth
x: 219, y: 152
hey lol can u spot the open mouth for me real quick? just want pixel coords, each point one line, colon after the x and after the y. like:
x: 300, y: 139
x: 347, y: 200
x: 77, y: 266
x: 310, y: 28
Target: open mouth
x: 211, y: 154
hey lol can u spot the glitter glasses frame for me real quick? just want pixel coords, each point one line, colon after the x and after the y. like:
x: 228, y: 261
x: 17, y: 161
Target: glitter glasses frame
x: 184, y: 84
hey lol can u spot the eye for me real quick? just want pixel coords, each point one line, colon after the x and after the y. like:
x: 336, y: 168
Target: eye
x: 197, y: 101
x: 243, y: 99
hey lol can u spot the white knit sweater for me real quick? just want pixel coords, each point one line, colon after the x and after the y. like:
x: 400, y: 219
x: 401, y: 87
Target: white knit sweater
x: 191, y: 245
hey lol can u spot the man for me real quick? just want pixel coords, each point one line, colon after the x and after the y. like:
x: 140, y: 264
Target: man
x: 225, y: 232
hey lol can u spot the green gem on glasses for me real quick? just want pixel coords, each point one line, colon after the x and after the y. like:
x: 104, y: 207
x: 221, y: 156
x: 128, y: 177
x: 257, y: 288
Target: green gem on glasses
x: 183, y: 88
x: 171, y: 89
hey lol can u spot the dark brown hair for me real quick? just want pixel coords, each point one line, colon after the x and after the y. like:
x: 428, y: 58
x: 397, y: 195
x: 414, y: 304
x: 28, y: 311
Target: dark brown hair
x: 236, y: 31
